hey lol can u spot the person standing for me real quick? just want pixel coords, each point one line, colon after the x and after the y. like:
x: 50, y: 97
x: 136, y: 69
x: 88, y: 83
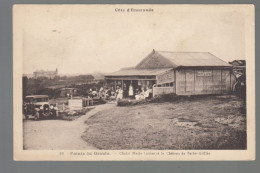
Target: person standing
x: 90, y: 93
x: 131, y: 91
x: 101, y: 92
x: 120, y: 94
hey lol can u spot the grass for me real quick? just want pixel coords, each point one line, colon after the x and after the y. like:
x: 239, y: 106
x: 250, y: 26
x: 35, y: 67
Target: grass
x: 214, y: 122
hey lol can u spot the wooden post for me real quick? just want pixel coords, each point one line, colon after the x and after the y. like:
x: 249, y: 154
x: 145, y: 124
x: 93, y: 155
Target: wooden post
x: 221, y: 81
x: 230, y: 81
x: 175, y: 80
x: 194, y: 82
x: 185, y: 82
x: 212, y: 84
x: 115, y: 85
x: 122, y: 87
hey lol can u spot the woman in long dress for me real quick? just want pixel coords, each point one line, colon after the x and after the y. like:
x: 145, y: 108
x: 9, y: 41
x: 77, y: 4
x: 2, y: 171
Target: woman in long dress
x: 131, y: 91
x: 120, y: 94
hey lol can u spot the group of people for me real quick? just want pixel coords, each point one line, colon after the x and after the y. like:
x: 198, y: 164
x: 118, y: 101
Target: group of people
x: 138, y: 95
x: 119, y: 93
x: 102, y: 92
x: 145, y: 93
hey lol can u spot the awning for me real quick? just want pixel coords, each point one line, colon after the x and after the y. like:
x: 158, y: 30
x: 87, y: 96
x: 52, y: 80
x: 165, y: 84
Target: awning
x: 137, y: 72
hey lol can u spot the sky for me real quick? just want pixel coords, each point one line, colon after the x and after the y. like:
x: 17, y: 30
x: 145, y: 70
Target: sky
x: 89, y: 38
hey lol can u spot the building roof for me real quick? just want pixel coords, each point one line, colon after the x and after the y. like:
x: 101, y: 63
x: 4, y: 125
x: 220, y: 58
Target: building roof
x: 158, y: 62
x: 55, y: 86
x: 68, y: 88
x: 162, y: 59
x: 37, y: 96
x: 193, y: 59
x: 45, y: 72
x: 131, y: 71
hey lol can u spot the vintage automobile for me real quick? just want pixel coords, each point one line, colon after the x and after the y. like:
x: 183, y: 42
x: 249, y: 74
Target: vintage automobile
x: 39, y: 107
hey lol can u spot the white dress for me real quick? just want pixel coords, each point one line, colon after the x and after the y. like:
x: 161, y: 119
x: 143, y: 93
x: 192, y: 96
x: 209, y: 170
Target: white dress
x: 131, y: 92
x: 120, y: 94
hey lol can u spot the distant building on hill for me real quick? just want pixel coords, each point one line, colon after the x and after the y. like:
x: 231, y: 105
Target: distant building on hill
x: 43, y: 73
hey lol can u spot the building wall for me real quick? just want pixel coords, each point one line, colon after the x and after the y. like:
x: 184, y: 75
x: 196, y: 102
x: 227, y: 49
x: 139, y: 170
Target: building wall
x: 163, y: 90
x: 50, y: 75
x: 203, y: 81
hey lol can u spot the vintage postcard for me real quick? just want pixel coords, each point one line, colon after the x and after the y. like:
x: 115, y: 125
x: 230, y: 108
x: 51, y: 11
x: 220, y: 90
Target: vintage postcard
x: 133, y: 82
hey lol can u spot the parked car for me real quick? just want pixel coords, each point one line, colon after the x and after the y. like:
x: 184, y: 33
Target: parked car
x: 39, y: 107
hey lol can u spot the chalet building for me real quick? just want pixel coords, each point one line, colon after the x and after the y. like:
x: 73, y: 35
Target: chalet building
x: 43, y: 73
x: 182, y: 73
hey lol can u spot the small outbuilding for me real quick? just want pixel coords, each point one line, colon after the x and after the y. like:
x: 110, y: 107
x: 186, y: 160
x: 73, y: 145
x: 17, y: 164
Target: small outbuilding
x: 181, y: 73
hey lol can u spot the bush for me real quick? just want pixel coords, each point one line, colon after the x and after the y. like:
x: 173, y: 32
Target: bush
x: 161, y: 99
x: 164, y: 98
x: 101, y: 101
x: 125, y: 102
x: 156, y: 99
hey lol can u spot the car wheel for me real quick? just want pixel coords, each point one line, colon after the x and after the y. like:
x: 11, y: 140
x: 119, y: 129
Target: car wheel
x: 37, y: 116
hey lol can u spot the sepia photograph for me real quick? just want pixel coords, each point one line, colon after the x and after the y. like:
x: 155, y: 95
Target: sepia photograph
x: 134, y: 82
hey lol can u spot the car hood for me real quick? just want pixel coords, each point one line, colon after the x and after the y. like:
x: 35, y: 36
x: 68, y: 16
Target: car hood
x: 41, y: 103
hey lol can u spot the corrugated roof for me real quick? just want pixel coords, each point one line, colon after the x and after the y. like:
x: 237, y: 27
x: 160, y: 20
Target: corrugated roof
x: 158, y: 62
x: 37, y: 96
x: 193, y: 59
x: 138, y: 72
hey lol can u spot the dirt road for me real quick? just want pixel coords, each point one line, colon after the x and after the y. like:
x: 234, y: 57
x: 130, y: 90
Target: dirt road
x: 58, y: 134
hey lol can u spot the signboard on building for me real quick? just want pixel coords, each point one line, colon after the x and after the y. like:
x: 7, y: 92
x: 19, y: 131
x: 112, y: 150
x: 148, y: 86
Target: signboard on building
x: 166, y: 77
x: 75, y: 104
x: 204, y: 73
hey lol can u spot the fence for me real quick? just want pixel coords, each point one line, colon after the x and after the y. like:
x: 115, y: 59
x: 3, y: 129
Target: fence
x: 72, y: 104
x: 162, y: 90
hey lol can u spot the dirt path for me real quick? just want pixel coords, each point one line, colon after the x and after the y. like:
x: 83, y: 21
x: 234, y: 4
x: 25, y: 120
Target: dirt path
x: 59, y: 134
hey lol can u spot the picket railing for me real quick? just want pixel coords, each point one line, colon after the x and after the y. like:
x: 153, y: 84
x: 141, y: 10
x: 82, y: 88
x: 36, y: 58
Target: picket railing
x: 162, y: 90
